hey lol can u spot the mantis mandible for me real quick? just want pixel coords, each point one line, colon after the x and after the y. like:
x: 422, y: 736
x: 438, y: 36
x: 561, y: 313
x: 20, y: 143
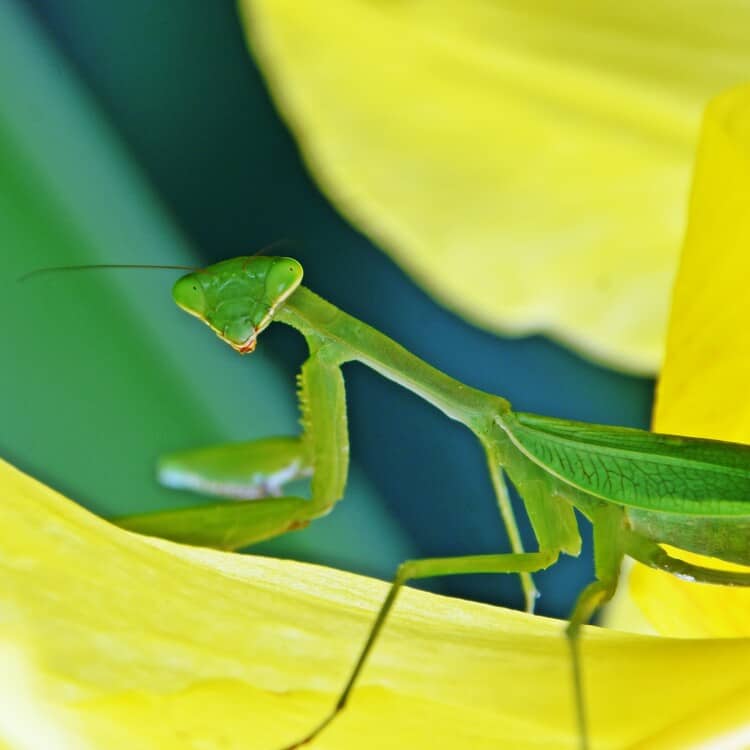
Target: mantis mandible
x: 638, y: 489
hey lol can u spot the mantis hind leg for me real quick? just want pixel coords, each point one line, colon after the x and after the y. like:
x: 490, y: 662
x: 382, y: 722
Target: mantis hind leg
x: 609, y: 549
x: 650, y: 553
x: 589, y: 600
x: 611, y: 542
x: 429, y: 568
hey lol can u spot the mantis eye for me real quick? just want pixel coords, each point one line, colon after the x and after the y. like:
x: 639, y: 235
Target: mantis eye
x: 188, y: 294
x: 283, y: 278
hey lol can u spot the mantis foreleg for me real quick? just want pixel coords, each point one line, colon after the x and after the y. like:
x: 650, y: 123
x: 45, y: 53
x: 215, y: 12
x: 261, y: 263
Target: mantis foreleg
x: 240, y: 471
x: 252, y: 470
x: 323, y: 405
x: 226, y: 525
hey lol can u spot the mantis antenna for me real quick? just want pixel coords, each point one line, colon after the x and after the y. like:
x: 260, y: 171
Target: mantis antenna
x: 100, y: 267
x: 103, y: 266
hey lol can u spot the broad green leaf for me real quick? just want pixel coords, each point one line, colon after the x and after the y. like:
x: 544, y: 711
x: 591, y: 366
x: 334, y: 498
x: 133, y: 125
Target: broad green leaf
x: 113, y: 640
x: 704, y: 385
x: 527, y: 163
x: 101, y: 372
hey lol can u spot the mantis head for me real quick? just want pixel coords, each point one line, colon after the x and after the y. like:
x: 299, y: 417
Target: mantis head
x: 237, y: 298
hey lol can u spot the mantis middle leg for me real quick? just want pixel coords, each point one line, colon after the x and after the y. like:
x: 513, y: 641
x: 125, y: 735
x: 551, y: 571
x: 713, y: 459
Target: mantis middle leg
x: 528, y: 562
x: 500, y: 487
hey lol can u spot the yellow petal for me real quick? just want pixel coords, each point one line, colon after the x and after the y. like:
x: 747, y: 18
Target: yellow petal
x: 703, y: 389
x: 528, y: 163
x: 112, y: 640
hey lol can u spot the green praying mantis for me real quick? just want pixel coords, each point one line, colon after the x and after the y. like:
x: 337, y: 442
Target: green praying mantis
x: 638, y: 489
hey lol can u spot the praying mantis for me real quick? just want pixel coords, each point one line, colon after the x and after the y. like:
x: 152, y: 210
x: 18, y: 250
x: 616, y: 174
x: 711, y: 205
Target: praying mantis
x: 638, y: 489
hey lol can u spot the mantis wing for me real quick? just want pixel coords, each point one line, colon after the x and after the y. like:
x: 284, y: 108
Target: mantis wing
x: 637, y: 468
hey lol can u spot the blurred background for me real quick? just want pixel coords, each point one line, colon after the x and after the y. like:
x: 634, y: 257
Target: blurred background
x: 144, y: 132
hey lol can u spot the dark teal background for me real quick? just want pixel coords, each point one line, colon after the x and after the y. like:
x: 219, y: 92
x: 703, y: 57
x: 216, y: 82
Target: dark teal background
x: 177, y: 84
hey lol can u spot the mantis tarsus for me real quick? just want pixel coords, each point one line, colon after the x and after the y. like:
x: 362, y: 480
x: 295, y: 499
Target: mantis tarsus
x: 638, y: 489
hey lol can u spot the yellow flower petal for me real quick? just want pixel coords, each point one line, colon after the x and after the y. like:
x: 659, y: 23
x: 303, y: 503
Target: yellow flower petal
x: 112, y: 640
x: 704, y: 385
x: 703, y: 389
x: 528, y: 163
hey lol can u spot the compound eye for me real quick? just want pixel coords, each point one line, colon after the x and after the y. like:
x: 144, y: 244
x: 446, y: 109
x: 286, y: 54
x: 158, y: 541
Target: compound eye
x: 188, y: 294
x: 283, y: 277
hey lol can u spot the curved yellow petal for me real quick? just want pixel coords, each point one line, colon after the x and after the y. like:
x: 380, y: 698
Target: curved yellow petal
x: 112, y: 640
x: 528, y: 163
x: 690, y: 610
x: 704, y: 384
x: 703, y: 389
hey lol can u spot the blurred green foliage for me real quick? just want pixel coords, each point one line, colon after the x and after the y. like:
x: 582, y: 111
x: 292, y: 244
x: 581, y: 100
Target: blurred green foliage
x: 101, y: 372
